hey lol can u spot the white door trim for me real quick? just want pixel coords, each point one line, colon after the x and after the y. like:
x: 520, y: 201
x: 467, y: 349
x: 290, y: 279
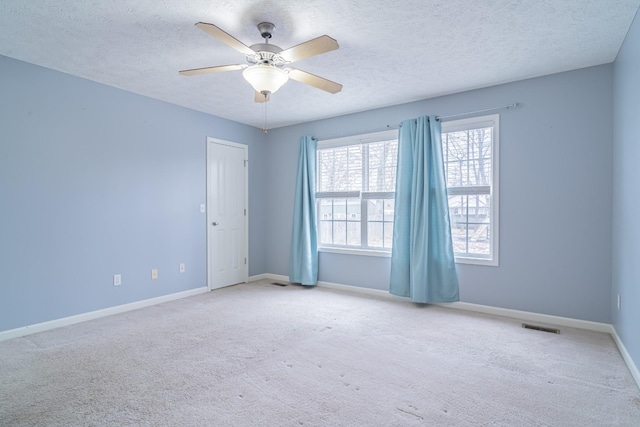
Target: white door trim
x: 245, y: 148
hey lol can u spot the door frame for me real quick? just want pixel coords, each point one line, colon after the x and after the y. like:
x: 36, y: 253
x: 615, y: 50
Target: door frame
x: 211, y: 142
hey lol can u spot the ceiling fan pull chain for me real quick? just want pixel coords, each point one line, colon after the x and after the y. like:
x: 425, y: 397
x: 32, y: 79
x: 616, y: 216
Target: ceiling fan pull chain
x: 264, y: 106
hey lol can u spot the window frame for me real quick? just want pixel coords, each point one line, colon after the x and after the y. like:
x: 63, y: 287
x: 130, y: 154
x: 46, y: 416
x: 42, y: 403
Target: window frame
x: 492, y: 120
x: 364, y: 196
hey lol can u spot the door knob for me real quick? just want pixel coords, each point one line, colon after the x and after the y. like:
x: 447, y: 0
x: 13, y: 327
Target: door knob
x: 214, y: 223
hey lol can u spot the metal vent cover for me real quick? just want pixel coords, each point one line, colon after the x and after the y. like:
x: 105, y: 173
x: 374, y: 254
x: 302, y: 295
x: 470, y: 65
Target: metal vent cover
x: 540, y: 328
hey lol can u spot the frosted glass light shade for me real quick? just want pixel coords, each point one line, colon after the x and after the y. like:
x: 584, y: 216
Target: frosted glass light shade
x: 265, y: 78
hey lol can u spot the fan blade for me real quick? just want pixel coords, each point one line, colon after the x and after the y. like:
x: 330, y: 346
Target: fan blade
x: 217, y: 69
x: 309, y: 48
x: 315, y: 81
x: 261, y: 98
x: 225, y: 37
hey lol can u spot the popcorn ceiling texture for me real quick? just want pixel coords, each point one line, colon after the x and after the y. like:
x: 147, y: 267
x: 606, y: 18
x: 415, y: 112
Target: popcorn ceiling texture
x: 391, y: 51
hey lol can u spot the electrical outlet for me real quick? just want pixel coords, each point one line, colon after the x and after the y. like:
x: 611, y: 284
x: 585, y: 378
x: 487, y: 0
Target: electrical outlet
x: 181, y: 267
x: 618, y: 302
x: 154, y: 274
x: 117, y: 279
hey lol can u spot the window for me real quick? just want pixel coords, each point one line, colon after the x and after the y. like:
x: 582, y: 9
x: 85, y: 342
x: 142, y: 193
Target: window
x: 470, y: 150
x: 355, y: 192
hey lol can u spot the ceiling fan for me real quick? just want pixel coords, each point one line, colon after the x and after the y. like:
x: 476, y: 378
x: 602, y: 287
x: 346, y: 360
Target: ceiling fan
x: 267, y: 67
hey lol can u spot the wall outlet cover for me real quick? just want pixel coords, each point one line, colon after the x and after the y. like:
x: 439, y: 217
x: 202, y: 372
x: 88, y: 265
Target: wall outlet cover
x: 117, y: 279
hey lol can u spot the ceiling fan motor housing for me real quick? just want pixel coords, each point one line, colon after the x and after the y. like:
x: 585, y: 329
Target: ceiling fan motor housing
x: 267, y: 54
x: 266, y: 29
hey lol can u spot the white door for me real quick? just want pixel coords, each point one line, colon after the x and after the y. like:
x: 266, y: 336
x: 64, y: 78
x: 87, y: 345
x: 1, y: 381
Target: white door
x: 227, y: 238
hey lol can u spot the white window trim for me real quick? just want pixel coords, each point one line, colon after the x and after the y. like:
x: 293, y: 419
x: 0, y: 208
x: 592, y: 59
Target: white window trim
x: 470, y: 123
x: 358, y: 139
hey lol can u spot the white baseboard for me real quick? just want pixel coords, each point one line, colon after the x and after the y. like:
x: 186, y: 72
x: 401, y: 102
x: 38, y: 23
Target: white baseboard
x: 635, y: 373
x: 497, y: 311
x: 269, y: 276
x: 335, y: 286
x: 530, y: 316
x: 72, y: 320
x: 257, y: 277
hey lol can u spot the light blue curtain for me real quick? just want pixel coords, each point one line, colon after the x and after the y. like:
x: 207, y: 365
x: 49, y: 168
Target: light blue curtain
x: 422, y: 261
x: 303, y: 260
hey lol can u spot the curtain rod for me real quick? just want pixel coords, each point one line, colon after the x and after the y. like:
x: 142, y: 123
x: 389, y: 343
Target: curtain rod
x: 486, y: 110
x: 390, y: 127
x: 359, y: 132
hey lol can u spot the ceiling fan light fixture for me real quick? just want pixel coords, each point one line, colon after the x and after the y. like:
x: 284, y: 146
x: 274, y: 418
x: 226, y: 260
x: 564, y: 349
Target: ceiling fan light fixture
x: 265, y: 78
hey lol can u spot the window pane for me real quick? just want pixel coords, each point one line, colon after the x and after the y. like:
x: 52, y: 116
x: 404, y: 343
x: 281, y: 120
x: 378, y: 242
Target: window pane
x: 375, y: 210
x: 479, y: 239
x: 375, y: 234
x: 388, y: 235
x: 353, y: 233
x: 339, y: 222
x: 326, y: 209
x: 325, y: 231
x: 383, y: 157
x: 459, y: 237
x: 480, y: 141
x: 479, y: 172
x: 340, y: 169
x: 455, y: 146
x: 458, y: 209
x: 339, y: 233
x: 340, y: 209
x: 479, y: 205
x: 380, y: 222
x: 353, y: 209
x: 468, y: 157
x: 471, y: 239
x: 453, y: 169
x: 389, y: 208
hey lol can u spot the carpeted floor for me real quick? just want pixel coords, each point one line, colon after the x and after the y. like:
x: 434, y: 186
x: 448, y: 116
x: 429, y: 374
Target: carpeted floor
x: 264, y: 355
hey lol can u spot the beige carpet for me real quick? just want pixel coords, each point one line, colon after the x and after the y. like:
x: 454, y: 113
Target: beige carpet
x: 263, y: 355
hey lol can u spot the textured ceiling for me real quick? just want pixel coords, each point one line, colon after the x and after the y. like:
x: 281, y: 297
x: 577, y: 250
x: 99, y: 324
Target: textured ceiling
x: 391, y: 51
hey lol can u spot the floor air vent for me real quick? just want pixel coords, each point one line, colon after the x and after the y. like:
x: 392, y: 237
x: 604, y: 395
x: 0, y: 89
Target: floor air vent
x: 278, y: 284
x: 541, y: 328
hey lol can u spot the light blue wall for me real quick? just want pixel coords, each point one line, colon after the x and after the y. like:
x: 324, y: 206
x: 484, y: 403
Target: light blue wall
x: 555, y: 195
x: 96, y: 181
x: 626, y: 193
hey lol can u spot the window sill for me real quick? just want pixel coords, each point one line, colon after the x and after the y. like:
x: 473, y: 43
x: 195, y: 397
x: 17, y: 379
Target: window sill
x: 362, y: 252
x: 477, y: 261
x: 383, y: 254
